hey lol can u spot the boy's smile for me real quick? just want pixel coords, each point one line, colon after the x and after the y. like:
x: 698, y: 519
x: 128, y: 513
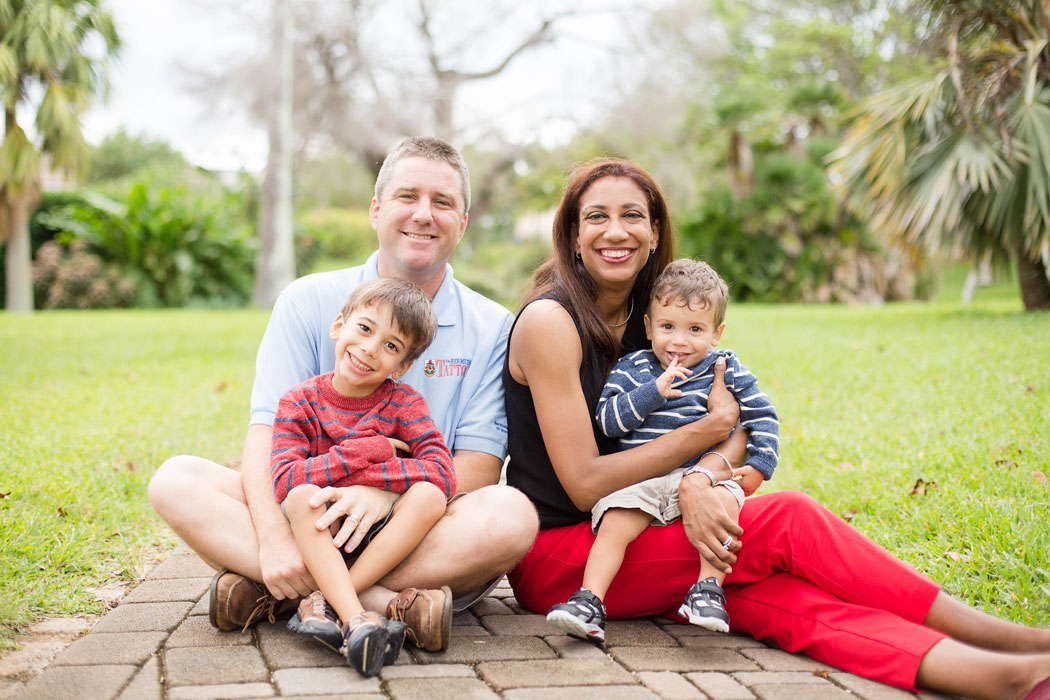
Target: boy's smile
x: 369, y: 347
x: 680, y: 331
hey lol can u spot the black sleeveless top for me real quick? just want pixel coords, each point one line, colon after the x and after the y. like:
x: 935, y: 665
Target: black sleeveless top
x: 530, y: 469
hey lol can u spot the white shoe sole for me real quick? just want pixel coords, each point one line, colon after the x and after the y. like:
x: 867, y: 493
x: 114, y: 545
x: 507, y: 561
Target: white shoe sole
x: 708, y: 623
x: 574, y: 626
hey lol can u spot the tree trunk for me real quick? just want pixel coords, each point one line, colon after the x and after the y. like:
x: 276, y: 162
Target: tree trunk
x: 18, y: 265
x: 1035, y: 285
x: 275, y: 264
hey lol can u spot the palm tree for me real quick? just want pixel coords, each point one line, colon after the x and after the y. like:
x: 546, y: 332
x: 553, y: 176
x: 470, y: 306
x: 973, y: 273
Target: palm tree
x: 53, y: 55
x: 960, y: 161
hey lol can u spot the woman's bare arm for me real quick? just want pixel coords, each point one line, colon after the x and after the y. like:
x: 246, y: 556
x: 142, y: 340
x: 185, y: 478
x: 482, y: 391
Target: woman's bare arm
x: 545, y: 353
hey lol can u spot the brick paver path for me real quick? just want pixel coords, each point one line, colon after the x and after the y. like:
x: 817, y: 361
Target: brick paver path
x: 157, y: 645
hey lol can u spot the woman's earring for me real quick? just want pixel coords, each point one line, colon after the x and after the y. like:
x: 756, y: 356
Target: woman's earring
x: 578, y: 256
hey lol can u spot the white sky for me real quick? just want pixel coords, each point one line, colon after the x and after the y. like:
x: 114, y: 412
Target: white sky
x: 149, y: 96
x: 541, y: 96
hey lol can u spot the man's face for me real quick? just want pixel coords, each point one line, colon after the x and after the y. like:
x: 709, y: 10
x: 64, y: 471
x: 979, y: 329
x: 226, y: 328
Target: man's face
x: 420, y: 219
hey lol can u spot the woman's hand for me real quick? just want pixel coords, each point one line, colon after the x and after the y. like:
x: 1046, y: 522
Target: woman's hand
x: 362, y: 506
x: 722, y: 407
x: 706, y: 523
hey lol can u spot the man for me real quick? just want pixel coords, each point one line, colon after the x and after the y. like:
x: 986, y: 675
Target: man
x: 232, y: 520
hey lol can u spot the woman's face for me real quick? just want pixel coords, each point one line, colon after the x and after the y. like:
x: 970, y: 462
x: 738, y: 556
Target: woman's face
x: 616, y: 233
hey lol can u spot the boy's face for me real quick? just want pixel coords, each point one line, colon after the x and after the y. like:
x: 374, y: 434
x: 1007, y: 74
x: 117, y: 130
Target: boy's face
x: 369, y: 347
x: 683, y: 331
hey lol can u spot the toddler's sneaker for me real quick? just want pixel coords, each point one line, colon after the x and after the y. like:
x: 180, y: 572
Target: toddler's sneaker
x: 365, y: 642
x: 582, y: 617
x: 316, y: 619
x: 705, y: 606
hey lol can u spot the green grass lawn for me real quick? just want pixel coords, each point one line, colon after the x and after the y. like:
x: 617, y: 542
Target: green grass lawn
x: 925, y: 425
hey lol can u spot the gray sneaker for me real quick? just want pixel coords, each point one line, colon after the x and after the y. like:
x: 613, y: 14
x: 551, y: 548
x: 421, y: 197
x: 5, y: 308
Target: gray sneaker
x: 583, y: 616
x: 705, y: 606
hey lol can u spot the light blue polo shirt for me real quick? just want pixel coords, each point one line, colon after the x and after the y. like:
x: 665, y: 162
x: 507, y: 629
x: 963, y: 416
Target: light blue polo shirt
x: 458, y: 375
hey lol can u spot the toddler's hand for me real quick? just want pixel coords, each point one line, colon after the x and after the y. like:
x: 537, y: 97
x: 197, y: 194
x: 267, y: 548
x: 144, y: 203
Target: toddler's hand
x: 399, y: 446
x: 749, y: 479
x: 663, y: 382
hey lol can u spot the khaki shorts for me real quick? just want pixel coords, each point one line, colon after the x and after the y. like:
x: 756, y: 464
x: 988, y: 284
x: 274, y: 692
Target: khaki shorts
x: 657, y: 496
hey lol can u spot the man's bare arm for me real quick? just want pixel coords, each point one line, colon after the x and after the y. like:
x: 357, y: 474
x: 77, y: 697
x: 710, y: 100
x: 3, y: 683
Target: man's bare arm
x: 283, y: 570
x: 475, y: 469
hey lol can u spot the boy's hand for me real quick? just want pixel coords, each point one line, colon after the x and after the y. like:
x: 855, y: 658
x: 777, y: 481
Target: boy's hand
x: 663, y: 382
x: 749, y: 478
x: 399, y: 446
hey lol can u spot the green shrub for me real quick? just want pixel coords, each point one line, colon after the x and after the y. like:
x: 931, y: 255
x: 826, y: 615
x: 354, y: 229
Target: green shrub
x: 345, y: 234
x: 187, y: 249
x: 71, y: 277
x: 789, y: 240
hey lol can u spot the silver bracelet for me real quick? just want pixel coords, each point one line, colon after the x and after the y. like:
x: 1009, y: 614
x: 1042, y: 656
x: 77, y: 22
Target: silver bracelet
x: 729, y: 465
x: 697, y: 469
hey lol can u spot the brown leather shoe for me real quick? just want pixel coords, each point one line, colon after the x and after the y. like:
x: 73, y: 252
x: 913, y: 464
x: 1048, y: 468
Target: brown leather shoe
x: 236, y: 602
x: 428, y: 614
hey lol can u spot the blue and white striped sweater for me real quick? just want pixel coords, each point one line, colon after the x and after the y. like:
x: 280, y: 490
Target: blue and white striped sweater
x: 632, y: 408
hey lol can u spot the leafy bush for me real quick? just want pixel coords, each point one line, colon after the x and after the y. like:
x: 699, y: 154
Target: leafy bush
x: 501, y: 270
x: 346, y: 234
x: 789, y: 240
x: 186, y: 249
x: 121, y: 155
x: 71, y: 277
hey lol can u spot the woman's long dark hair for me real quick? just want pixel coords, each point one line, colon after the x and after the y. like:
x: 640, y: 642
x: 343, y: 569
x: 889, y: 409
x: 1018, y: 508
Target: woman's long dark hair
x: 565, y: 277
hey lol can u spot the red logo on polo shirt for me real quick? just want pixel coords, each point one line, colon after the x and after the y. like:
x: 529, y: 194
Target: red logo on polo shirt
x: 451, y: 367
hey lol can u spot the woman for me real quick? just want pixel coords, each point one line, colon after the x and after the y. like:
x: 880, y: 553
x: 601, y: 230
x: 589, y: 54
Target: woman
x: 803, y: 578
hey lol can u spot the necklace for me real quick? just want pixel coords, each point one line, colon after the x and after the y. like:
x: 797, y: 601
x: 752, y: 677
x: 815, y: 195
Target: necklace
x: 624, y: 322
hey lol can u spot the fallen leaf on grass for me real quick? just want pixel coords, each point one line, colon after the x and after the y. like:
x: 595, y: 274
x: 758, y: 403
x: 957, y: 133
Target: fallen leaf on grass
x: 4, y: 495
x: 1040, y: 477
x: 954, y: 556
x: 220, y: 387
x: 849, y: 514
x: 922, y: 487
x: 1005, y: 463
x: 62, y: 512
x: 1029, y: 389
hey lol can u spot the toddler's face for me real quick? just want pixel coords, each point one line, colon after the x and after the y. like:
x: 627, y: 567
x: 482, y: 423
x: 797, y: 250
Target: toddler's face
x: 683, y: 331
x: 369, y: 347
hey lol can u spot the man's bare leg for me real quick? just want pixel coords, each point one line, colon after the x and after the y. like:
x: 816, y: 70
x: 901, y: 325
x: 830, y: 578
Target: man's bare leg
x: 483, y: 535
x: 204, y: 504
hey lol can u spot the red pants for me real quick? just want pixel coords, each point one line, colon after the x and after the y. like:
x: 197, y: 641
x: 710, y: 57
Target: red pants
x: 804, y: 579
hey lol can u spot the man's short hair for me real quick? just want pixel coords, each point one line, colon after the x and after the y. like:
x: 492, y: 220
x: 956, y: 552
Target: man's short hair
x: 424, y: 147
x: 409, y: 306
x: 685, y: 279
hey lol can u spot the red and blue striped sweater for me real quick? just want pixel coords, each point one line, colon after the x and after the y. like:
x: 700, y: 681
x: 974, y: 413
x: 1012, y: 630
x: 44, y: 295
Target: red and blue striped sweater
x: 322, y: 437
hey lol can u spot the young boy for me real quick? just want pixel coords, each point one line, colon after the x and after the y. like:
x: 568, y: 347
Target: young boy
x: 346, y: 428
x: 651, y: 392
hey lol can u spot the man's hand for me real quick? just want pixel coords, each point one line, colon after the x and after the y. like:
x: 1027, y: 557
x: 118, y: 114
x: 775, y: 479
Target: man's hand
x: 283, y: 570
x: 362, y: 507
x: 673, y: 371
x: 722, y: 407
x: 749, y: 478
x: 706, y: 523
